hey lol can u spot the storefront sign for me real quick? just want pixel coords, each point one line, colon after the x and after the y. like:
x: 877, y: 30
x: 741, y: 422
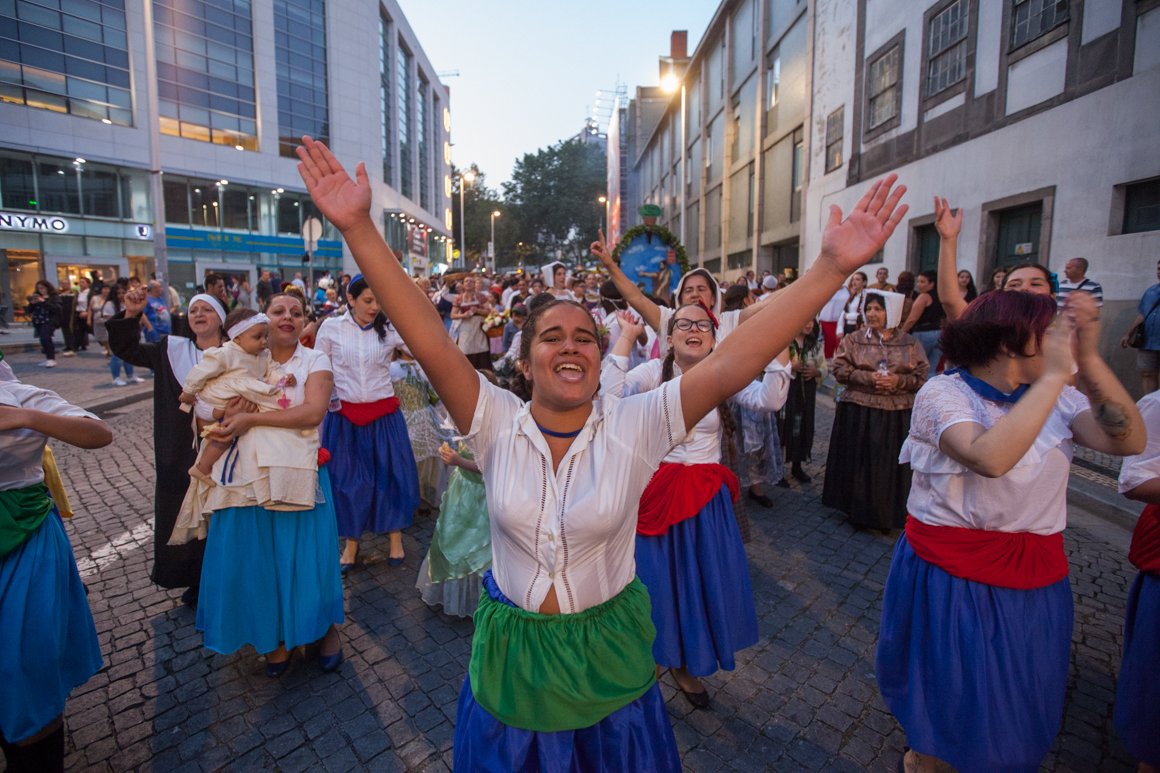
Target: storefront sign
x: 418, y: 240
x: 143, y: 231
x: 45, y: 224
x: 222, y: 241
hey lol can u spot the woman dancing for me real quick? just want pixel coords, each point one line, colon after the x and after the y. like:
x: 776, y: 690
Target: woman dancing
x: 561, y: 671
x: 977, y: 611
x: 376, y: 482
x: 48, y: 642
x: 688, y: 548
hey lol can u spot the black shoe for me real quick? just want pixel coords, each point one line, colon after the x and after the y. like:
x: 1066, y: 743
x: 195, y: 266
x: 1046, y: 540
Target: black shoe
x: 698, y: 700
x: 783, y: 483
x: 800, y: 475
x: 760, y: 499
x: 189, y: 596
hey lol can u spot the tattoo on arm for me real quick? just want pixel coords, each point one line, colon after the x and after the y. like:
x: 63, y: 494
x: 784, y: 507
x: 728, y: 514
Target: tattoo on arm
x: 1113, y: 420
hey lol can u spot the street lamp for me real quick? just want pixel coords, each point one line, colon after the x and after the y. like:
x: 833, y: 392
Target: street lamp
x: 603, y: 201
x: 465, y: 179
x: 491, y: 247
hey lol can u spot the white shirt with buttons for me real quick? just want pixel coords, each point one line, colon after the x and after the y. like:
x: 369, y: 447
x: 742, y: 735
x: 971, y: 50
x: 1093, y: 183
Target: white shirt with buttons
x: 574, y: 528
x: 21, y: 449
x: 361, y: 362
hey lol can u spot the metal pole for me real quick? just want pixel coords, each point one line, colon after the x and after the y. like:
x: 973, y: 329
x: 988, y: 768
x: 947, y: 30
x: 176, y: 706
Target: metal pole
x: 153, y: 129
x: 462, y: 226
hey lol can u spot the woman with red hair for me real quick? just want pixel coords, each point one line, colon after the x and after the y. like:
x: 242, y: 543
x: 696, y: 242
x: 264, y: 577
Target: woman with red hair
x: 977, y: 611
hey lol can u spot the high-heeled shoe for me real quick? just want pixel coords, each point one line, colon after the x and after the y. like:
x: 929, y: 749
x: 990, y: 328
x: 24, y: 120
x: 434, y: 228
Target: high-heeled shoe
x: 330, y: 663
x: 396, y: 561
x: 275, y: 670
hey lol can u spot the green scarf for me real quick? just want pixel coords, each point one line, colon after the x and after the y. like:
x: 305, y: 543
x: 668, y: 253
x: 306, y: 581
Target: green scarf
x: 22, y: 511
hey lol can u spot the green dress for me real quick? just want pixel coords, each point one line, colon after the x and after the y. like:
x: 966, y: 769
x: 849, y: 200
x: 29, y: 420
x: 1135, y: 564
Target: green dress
x: 460, y: 552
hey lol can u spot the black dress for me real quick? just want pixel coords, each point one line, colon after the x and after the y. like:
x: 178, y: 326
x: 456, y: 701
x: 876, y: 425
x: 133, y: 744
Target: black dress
x: 174, y: 566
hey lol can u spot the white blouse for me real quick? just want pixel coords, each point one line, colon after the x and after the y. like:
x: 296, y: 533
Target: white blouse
x: 21, y: 449
x: 703, y: 444
x: 572, y: 529
x: 361, y: 362
x: 1030, y: 497
x: 1145, y: 466
x: 727, y: 322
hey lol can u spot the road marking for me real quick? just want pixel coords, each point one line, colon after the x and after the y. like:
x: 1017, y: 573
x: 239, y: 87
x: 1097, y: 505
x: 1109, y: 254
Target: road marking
x: 113, y: 550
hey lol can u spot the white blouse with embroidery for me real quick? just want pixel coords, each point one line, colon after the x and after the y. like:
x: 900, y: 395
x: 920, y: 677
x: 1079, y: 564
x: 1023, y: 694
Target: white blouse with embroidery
x: 1030, y: 497
x: 703, y: 444
x: 21, y: 449
x: 573, y: 528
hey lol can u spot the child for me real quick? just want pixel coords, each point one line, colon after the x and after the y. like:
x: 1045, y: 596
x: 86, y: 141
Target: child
x: 452, y: 572
x: 239, y: 368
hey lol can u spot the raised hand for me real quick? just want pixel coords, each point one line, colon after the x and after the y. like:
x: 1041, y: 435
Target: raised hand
x: 135, y: 302
x: 601, y: 250
x: 344, y: 202
x: 630, y: 324
x: 1083, y: 311
x: 849, y: 244
x: 947, y: 223
x: 1057, y: 347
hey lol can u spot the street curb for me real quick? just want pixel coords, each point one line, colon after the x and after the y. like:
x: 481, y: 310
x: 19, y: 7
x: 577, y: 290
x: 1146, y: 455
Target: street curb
x: 118, y: 402
x: 19, y: 348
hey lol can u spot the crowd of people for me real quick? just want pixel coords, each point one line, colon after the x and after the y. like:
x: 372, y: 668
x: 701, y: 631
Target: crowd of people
x: 588, y: 450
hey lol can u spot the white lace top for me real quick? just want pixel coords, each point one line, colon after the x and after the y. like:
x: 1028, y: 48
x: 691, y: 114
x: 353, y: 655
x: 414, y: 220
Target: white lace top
x: 1031, y: 497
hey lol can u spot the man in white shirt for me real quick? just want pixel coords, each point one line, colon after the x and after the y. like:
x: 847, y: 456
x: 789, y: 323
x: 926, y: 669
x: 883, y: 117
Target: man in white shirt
x: 297, y: 281
x: 1075, y: 271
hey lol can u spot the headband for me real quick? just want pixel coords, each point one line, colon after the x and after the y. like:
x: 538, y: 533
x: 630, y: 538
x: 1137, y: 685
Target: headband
x: 246, y: 324
x: 214, y: 303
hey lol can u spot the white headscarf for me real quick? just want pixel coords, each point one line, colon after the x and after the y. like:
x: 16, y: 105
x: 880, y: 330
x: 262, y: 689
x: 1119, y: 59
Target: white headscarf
x: 713, y: 286
x: 893, y: 302
x: 214, y: 303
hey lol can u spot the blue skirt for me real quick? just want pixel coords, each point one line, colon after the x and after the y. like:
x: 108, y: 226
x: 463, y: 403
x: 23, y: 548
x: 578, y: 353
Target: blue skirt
x: 698, y: 579
x: 48, y: 643
x: 270, y: 577
x: 1137, y: 710
x: 372, y: 468
x: 638, y: 736
x: 975, y: 674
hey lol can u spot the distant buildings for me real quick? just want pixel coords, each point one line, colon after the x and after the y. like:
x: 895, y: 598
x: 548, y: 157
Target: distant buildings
x: 1038, y: 118
x: 214, y: 94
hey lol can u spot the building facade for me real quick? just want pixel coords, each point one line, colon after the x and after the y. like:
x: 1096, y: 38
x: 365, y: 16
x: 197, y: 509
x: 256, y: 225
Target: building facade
x: 99, y: 97
x: 725, y: 157
x: 1038, y: 118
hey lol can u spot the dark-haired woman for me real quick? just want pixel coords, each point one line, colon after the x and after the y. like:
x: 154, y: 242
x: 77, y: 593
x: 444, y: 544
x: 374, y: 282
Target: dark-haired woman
x: 967, y: 290
x: 882, y: 368
x: 470, y: 308
x: 808, y: 366
x: 174, y: 450
x: 926, y: 317
x: 977, y: 611
x: 376, y: 481
x: 562, y: 674
x: 1137, y: 711
x: 48, y: 643
x: 688, y: 548
x: 44, y: 310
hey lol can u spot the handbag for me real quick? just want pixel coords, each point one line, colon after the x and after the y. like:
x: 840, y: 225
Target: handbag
x: 1136, y: 334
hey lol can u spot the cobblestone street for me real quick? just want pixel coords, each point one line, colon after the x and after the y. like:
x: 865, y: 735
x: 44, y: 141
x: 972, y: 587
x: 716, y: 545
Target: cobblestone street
x: 804, y: 698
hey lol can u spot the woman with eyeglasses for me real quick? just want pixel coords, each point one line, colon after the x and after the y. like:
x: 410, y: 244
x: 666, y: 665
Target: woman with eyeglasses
x: 882, y: 369
x: 689, y: 552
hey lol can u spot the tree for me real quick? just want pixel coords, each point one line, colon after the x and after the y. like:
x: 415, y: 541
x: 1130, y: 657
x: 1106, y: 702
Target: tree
x: 551, y: 201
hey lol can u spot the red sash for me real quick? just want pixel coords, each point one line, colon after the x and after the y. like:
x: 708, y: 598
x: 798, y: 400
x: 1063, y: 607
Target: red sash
x: 678, y: 492
x: 1018, y: 560
x: 1145, y: 551
x: 362, y: 414
x: 323, y: 456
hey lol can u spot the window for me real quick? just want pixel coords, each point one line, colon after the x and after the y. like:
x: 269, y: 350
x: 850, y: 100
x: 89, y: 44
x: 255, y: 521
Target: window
x: 883, y: 87
x: 1142, y: 207
x: 947, y: 47
x: 17, y: 189
x: 176, y: 195
x: 385, y: 100
x: 205, y: 70
x: 300, y: 56
x: 796, y: 176
x: 1032, y: 18
x: 835, y: 125
x: 406, y: 106
x: 772, y: 80
x: 422, y: 134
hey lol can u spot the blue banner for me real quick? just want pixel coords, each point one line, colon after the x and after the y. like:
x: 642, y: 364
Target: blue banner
x: 224, y: 241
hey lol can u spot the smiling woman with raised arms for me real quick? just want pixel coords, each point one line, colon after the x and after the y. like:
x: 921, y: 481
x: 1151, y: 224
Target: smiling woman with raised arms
x: 561, y: 672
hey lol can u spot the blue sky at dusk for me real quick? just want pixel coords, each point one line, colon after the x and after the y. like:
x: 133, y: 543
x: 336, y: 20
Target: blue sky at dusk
x: 529, y: 71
